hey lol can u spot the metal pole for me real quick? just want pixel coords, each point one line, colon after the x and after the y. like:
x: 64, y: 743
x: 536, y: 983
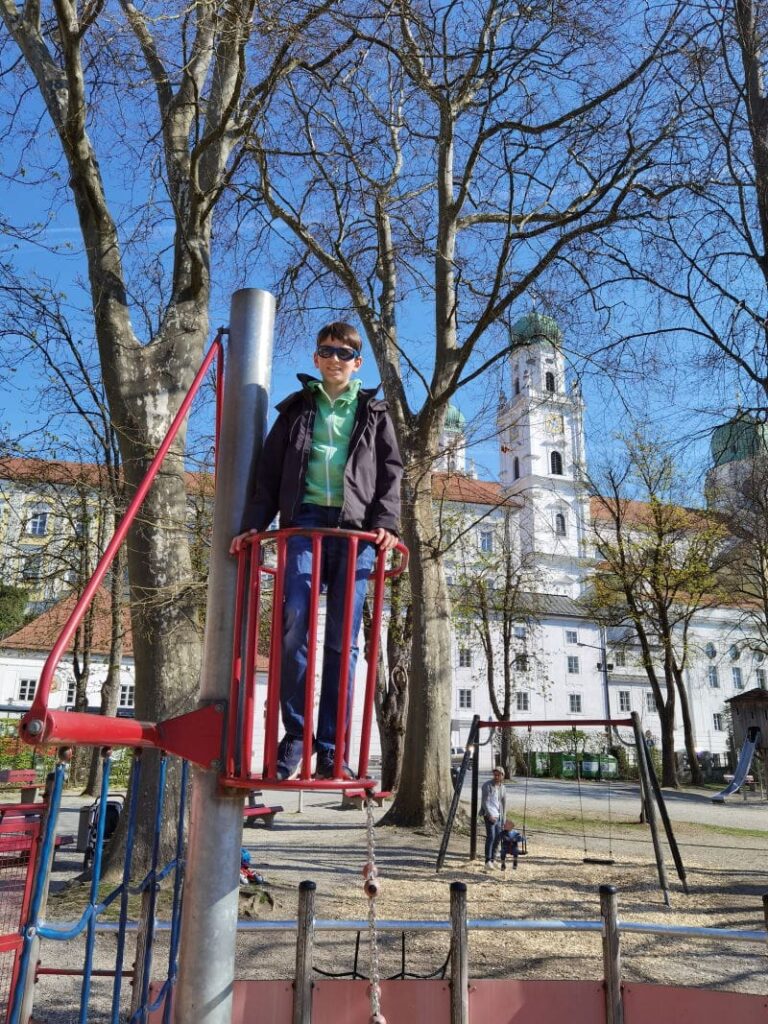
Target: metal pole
x: 474, y: 805
x: 211, y: 886
x: 614, y: 1009
x: 459, y: 955
x: 642, y: 764
x: 302, y: 986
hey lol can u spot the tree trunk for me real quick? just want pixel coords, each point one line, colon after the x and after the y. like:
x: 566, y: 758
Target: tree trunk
x: 425, y: 791
x: 697, y: 777
x: 668, y: 764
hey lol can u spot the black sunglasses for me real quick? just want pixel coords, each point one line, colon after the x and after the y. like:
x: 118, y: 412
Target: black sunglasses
x: 346, y: 355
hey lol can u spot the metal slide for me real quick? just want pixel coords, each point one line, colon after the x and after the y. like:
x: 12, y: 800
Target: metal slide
x: 751, y: 744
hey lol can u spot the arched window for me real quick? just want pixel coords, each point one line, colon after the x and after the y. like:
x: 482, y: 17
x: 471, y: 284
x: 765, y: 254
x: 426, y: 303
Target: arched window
x: 549, y: 381
x: 517, y: 385
x: 559, y: 524
x: 516, y: 468
x: 556, y: 464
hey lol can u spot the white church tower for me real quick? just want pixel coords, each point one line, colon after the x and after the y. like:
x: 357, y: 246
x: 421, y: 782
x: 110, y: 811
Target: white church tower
x: 542, y: 456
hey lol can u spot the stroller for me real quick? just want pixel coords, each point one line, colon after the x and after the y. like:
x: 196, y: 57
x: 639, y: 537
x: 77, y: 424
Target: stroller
x: 115, y: 804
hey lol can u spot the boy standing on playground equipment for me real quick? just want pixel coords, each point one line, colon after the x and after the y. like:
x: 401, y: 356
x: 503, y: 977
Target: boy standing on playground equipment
x: 330, y: 460
x: 493, y: 807
x: 511, y: 838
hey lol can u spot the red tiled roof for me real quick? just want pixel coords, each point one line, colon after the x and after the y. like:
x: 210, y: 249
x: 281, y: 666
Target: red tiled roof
x: 41, y: 633
x: 455, y: 487
x: 44, y: 471
x: 638, y: 513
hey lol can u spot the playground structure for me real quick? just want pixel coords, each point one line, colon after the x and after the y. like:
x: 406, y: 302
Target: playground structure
x: 218, y: 738
x: 651, y: 793
x: 749, y: 716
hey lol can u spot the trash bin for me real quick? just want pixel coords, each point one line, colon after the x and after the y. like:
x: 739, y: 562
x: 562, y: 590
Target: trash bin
x: 83, y: 827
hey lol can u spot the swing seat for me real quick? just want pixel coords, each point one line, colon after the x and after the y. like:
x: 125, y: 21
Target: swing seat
x: 598, y: 860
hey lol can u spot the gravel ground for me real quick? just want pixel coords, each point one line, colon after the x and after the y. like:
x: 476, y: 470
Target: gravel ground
x: 725, y: 858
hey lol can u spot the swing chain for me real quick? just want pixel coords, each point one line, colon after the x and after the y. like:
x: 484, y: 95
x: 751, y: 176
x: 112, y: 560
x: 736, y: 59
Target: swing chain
x: 371, y: 888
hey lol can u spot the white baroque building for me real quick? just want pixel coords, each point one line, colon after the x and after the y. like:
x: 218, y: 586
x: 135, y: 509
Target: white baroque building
x: 567, y: 667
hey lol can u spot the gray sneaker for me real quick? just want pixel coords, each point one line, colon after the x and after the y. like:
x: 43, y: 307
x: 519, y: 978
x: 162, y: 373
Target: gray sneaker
x: 290, y: 752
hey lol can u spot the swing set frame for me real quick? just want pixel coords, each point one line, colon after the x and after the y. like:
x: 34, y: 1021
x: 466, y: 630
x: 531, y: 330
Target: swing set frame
x: 650, y: 791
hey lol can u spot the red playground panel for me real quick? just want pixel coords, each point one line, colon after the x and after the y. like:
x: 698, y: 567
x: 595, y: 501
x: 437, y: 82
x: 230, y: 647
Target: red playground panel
x: 497, y: 1000
x: 666, y: 1004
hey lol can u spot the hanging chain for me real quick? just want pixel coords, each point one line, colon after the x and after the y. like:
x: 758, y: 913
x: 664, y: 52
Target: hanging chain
x: 371, y: 888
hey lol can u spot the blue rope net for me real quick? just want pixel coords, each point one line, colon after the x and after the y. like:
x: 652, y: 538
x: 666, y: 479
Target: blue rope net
x: 149, y: 886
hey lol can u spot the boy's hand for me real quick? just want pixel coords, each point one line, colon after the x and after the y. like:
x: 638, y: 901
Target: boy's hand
x: 384, y: 539
x: 238, y: 542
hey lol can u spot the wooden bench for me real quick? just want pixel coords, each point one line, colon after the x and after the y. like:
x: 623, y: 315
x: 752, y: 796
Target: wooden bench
x: 25, y: 779
x: 260, y: 812
x: 356, y: 798
x: 749, y: 781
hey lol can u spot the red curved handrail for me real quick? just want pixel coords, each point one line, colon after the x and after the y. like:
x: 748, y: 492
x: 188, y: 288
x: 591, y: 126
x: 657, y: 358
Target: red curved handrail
x: 38, y: 725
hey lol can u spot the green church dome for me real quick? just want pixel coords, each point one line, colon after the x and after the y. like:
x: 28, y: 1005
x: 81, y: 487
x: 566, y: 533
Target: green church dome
x: 455, y: 420
x: 535, y: 327
x: 742, y: 437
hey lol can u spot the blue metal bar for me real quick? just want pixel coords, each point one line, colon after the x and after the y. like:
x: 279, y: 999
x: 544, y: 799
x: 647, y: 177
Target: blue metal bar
x: 173, y: 953
x: 127, y: 863
x: 38, y: 891
x: 141, y: 1014
x: 85, y: 990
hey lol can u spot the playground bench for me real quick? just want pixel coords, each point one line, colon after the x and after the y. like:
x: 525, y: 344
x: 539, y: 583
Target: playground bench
x: 25, y: 779
x: 261, y: 812
x: 356, y: 798
x: 749, y: 781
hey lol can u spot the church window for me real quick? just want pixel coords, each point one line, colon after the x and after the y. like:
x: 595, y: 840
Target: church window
x: 574, y: 703
x: 517, y: 385
x: 521, y: 662
x: 520, y: 632
x: 571, y: 636
x: 486, y: 540
x: 738, y: 682
x: 556, y: 464
x: 465, y: 699
x: 717, y: 722
x: 760, y: 677
x: 573, y: 665
x: 523, y: 701
x: 625, y: 701
x: 549, y: 381
x: 733, y: 652
x: 710, y: 650
x: 37, y: 526
x: 516, y: 468
x: 650, y: 702
x: 713, y: 678
x: 465, y: 657
x: 620, y: 659
x: 560, y: 524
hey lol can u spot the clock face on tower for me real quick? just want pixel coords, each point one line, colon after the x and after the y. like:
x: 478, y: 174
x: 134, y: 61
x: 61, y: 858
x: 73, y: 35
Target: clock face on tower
x: 554, y: 423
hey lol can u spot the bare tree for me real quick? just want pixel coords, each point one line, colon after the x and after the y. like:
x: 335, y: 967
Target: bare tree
x: 658, y: 570
x: 494, y: 606
x: 156, y: 96
x: 455, y: 157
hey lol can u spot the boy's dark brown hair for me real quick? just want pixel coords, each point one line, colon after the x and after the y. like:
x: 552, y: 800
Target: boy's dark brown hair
x: 339, y: 331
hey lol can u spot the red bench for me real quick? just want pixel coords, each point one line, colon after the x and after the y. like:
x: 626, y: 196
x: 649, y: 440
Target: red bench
x: 356, y: 798
x: 260, y: 812
x: 25, y: 779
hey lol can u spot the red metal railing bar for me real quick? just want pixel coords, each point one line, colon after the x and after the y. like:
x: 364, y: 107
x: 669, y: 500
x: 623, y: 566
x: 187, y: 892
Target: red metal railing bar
x: 237, y: 664
x: 373, y: 659
x: 340, y: 752
x: 251, y: 659
x: 76, y: 729
x: 309, y: 687
x: 275, y: 663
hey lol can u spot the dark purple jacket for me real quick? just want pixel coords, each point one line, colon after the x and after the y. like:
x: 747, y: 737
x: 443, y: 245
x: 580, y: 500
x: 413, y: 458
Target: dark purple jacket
x: 371, y: 477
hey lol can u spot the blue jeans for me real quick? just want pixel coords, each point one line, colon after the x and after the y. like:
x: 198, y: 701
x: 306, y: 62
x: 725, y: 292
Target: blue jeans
x: 296, y: 625
x: 493, y: 831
